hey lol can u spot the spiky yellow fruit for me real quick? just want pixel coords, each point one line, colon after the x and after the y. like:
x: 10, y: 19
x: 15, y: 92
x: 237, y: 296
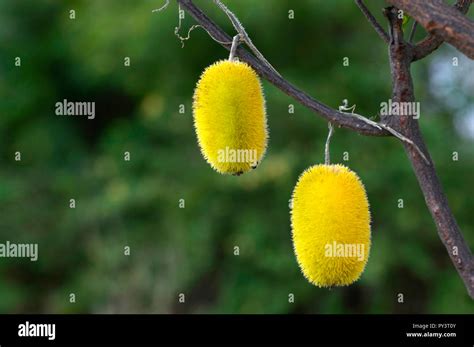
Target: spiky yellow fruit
x: 229, y: 117
x: 330, y: 221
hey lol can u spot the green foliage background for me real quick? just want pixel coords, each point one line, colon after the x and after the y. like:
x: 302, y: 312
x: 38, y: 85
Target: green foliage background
x: 135, y: 203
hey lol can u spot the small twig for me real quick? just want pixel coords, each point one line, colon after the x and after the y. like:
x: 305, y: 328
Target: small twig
x: 413, y: 31
x: 327, y: 158
x: 345, y: 107
x: 406, y: 140
x: 162, y: 7
x: 188, y: 36
x: 378, y: 28
x: 195, y: 26
x: 366, y: 120
x: 178, y: 28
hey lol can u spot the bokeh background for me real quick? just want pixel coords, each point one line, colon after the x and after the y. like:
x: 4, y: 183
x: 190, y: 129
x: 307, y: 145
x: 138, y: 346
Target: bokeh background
x: 191, y: 250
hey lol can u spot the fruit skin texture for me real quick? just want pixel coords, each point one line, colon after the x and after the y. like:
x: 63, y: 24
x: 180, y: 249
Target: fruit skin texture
x: 229, y: 112
x: 330, y: 205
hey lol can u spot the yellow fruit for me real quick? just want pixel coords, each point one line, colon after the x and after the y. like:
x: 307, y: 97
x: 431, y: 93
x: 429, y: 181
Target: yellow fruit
x: 229, y: 117
x: 330, y: 221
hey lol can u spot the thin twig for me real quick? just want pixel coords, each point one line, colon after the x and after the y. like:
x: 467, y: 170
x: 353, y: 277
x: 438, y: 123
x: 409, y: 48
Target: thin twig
x: 345, y: 107
x: 391, y: 131
x: 195, y: 26
x: 378, y: 28
x: 365, y: 119
x: 406, y: 140
x: 188, y: 36
x: 162, y: 7
x: 178, y: 28
x: 413, y: 31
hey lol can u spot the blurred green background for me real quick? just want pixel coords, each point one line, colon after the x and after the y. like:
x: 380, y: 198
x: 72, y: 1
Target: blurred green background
x: 136, y: 203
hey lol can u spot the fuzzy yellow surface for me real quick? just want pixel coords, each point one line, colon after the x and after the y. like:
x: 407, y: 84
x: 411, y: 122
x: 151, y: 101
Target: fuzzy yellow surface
x: 229, y: 117
x: 330, y: 221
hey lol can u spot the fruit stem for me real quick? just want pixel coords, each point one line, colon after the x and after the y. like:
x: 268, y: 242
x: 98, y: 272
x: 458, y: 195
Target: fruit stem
x: 233, y: 49
x: 327, y: 159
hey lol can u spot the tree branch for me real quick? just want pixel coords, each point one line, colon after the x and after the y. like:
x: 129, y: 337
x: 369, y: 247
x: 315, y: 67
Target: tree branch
x: 404, y: 127
x: 432, y: 42
x: 378, y: 28
x: 343, y: 120
x: 443, y: 22
x: 448, y: 230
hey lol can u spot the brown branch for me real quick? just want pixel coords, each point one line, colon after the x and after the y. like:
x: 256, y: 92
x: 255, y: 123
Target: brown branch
x: 339, y: 118
x: 401, y: 56
x: 432, y: 42
x: 443, y: 22
x: 378, y: 28
x: 400, y: 60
